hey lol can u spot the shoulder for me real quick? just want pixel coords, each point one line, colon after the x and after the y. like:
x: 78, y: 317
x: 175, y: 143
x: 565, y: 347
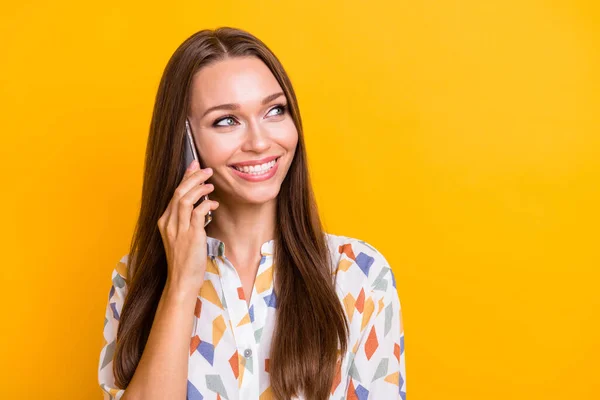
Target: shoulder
x: 359, y: 265
x: 116, y: 297
x: 121, y: 267
x: 119, y: 277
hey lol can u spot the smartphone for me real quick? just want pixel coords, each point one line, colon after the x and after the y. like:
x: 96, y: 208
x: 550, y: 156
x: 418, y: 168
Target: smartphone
x: 191, y: 154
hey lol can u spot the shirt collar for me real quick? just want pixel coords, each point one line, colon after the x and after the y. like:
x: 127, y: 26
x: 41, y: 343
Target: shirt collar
x: 216, y: 248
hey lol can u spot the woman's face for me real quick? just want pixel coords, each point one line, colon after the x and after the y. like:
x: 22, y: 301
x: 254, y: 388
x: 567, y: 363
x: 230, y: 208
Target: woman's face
x: 245, y: 130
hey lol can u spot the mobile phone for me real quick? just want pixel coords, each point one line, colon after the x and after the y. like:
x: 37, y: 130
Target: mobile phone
x: 191, y: 154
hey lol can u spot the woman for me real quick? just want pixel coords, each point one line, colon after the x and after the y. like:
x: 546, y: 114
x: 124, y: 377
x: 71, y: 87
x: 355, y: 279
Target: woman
x: 260, y: 303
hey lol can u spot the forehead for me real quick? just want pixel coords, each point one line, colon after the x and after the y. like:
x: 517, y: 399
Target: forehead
x: 243, y: 80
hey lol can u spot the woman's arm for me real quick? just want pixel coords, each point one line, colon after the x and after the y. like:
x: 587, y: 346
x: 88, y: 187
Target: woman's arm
x: 163, y: 368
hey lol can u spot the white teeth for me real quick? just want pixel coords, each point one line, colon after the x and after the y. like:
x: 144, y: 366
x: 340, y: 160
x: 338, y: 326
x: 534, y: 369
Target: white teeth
x: 257, y: 169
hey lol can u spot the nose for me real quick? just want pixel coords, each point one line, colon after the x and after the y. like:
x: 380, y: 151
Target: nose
x: 257, y: 139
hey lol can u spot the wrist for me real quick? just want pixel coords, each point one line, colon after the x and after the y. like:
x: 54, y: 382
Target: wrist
x: 181, y: 289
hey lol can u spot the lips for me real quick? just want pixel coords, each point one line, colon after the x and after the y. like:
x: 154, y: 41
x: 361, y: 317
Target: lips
x: 240, y: 169
x: 254, y: 162
x: 257, y: 177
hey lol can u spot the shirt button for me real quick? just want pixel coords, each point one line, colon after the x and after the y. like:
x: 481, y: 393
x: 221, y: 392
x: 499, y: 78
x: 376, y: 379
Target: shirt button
x: 247, y: 353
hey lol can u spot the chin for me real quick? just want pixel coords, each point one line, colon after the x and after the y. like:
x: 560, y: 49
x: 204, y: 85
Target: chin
x: 258, y: 196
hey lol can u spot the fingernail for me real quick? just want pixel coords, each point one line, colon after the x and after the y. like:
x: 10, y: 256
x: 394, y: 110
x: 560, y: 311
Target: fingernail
x: 208, y: 169
x: 193, y: 165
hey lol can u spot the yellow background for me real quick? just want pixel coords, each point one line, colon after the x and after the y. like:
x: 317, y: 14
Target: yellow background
x: 460, y: 138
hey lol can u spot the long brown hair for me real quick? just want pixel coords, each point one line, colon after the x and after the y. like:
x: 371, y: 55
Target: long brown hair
x: 303, y: 355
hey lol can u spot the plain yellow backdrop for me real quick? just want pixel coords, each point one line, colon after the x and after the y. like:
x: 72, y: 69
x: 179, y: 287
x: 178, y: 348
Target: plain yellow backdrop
x: 460, y: 138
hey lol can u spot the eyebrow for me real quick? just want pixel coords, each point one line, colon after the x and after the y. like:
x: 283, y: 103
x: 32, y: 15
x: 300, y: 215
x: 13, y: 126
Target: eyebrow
x: 233, y: 106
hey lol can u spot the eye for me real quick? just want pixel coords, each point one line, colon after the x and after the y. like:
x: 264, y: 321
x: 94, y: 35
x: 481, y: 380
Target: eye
x: 283, y: 108
x: 227, y: 117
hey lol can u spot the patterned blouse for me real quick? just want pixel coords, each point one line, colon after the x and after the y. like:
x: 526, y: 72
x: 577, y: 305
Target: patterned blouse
x: 230, y: 342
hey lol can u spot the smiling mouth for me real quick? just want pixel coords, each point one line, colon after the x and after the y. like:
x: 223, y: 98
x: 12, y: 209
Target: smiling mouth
x: 258, y: 169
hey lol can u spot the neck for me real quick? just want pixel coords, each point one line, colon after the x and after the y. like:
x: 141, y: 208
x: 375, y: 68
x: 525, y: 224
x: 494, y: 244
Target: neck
x: 243, y: 227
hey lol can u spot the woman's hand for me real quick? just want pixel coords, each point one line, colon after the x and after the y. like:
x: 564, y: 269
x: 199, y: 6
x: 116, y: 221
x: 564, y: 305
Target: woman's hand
x: 182, y: 229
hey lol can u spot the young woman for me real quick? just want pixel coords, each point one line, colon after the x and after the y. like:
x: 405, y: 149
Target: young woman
x: 260, y: 303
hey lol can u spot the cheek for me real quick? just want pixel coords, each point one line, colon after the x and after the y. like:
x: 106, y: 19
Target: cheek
x: 289, y: 137
x: 215, y: 153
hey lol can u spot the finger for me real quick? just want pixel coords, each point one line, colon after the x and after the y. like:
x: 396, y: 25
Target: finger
x: 191, y: 168
x: 193, y: 180
x: 186, y: 204
x: 199, y: 215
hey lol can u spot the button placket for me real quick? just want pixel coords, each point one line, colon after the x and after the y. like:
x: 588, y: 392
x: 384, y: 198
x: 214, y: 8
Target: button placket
x: 243, y: 334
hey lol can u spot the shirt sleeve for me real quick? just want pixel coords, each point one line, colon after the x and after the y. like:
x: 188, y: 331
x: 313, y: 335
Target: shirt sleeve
x: 379, y: 370
x: 114, y: 306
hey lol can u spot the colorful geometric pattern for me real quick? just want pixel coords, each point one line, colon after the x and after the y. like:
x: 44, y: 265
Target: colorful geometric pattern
x: 231, y: 339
